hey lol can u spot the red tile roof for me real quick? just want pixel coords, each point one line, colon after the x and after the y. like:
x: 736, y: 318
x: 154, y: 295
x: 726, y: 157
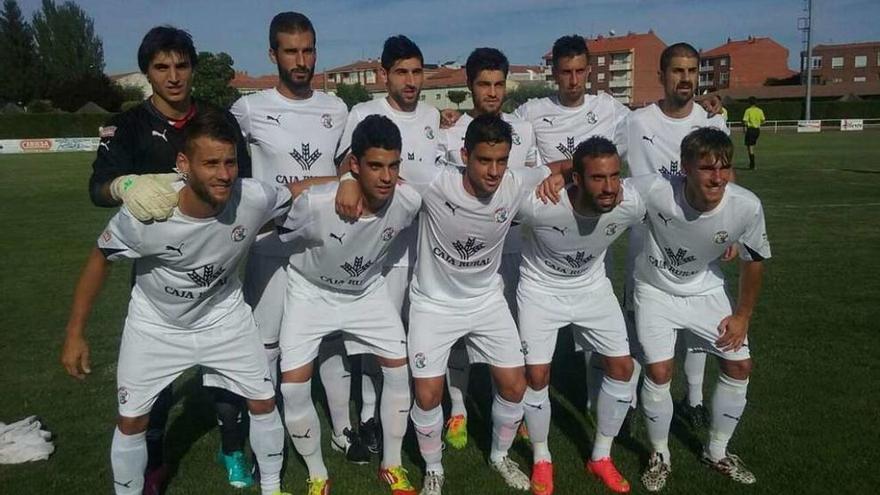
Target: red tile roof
x: 606, y: 44
x: 737, y: 45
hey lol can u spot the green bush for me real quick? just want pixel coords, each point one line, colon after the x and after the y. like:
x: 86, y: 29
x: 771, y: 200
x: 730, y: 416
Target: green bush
x: 821, y: 110
x: 51, y: 125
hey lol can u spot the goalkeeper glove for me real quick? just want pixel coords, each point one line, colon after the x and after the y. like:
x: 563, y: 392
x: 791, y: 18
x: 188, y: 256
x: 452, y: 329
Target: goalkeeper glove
x: 148, y: 197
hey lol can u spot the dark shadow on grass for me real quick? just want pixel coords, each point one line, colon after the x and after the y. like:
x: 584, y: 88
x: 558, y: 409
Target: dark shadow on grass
x: 195, y: 420
x: 859, y: 171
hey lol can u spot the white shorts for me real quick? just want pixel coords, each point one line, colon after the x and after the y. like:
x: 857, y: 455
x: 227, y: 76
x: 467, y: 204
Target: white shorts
x: 369, y: 322
x: 490, y: 332
x: 152, y: 356
x: 595, y: 315
x: 265, y: 282
x: 397, y: 279
x: 659, y: 314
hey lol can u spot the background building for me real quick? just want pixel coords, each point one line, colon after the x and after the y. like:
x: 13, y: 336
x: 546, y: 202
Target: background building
x: 743, y: 64
x: 845, y: 63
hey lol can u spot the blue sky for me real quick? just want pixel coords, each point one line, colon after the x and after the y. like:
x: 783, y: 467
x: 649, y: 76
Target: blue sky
x: 448, y: 30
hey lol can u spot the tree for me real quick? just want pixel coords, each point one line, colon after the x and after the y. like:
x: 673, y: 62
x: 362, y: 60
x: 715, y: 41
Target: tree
x: 211, y: 80
x: 68, y: 48
x: 71, y: 94
x: 130, y: 92
x: 457, y: 96
x: 524, y: 93
x: 18, y: 56
x: 352, y: 94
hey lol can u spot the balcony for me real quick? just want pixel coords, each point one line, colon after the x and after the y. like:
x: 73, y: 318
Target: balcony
x: 620, y: 83
x: 706, y: 68
x: 620, y: 66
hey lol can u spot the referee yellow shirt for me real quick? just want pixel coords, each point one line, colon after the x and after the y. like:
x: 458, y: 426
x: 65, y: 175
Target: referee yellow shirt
x: 753, y: 117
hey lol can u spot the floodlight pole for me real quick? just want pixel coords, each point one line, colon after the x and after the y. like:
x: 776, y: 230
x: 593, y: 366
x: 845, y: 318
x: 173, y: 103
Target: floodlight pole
x: 809, y: 29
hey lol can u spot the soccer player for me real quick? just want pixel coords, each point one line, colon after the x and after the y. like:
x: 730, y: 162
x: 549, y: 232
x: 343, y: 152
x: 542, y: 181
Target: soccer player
x: 486, y: 70
x: 403, y: 75
x: 292, y: 132
x: 691, y: 220
x: 650, y: 143
x: 335, y: 283
x: 753, y: 117
x: 563, y: 282
x: 137, y: 153
x: 186, y: 305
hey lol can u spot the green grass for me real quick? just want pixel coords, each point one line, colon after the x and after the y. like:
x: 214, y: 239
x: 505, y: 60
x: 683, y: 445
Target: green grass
x: 811, y: 425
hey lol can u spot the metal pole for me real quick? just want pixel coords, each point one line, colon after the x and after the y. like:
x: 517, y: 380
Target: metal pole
x: 809, y: 56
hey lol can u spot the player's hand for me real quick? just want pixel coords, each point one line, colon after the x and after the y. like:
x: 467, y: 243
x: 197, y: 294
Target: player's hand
x: 711, y: 105
x: 75, y: 357
x: 349, y: 200
x: 548, y: 189
x: 448, y: 118
x: 730, y: 253
x: 733, y: 331
x: 148, y: 197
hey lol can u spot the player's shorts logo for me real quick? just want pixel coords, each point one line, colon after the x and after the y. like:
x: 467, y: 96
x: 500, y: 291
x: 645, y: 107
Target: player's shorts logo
x: 501, y: 215
x: 123, y: 395
x: 525, y: 347
x: 429, y: 133
x: 721, y: 237
x: 611, y: 229
x: 239, y: 233
x: 420, y: 360
x: 516, y: 139
x: 591, y: 118
x: 387, y: 234
x: 327, y: 120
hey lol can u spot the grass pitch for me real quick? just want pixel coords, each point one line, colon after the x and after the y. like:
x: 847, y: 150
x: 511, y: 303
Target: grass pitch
x: 811, y: 425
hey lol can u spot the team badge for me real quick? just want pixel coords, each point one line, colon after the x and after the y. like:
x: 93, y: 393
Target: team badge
x: 123, y: 395
x: 721, y: 237
x: 239, y: 233
x: 387, y: 234
x: 107, y: 132
x: 591, y: 118
x: 106, y: 236
x: 516, y: 139
x: 611, y: 229
x: 429, y: 133
x: 421, y: 360
x: 327, y: 120
x: 501, y: 215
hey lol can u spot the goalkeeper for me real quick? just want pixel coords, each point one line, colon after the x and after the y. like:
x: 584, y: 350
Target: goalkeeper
x: 135, y: 166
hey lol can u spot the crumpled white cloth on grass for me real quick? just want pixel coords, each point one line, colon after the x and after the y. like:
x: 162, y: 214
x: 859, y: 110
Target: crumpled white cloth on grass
x: 24, y: 441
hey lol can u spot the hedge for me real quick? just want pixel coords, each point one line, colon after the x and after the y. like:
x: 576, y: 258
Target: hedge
x: 794, y: 110
x: 51, y: 125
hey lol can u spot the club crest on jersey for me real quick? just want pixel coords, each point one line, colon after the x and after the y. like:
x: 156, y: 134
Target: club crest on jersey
x: 591, y: 118
x: 420, y: 360
x: 501, y: 215
x: 611, y: 229
x: 515, y: 138
x: 429, y: 132
x: 122, y: 395
x: 327, y: 120
x: 721, y: 237
x: 106, y: 236
x: 107, y: 132
x: 239, y: 233
x: 388, y: 233
x: 410, y: 156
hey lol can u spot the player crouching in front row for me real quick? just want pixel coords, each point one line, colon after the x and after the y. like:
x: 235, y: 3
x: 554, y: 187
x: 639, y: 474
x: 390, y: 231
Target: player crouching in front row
x: 186, y: 305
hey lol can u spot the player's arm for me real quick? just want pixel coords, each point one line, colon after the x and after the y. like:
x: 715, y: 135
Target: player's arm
x: 560, y: 175
x: 298, y: 187
x: 75, y: 353
x: 349, y: 197
x: 735, y: 327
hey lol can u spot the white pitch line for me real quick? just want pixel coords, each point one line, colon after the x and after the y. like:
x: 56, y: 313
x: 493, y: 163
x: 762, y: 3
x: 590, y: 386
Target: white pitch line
x: 830, y: 205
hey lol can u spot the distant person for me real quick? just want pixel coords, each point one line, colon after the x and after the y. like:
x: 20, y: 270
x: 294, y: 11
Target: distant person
x: 752, y: 119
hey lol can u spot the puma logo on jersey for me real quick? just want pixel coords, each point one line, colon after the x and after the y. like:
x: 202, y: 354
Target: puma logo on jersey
x: 307, y: 434
x: 649, y: 139
x: 561, y: 231
x: 277, y: 119
x: 105, y: 145
x: 337, y: 237
x: 127, y: 484
x: 665, y: 220
x: 451, y: 207
x: 178, y: 249
x: 549, y: 121
x: 160, y: 134
x: 275, y: 454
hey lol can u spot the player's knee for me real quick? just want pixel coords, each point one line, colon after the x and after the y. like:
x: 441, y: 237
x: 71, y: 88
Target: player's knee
x: 513, y: 388
x: 660, y: 373
x: 391, y: 363
x: 132, y: 425
x: 739, y: 370
x: 538, y: 376
x: 264, y: 406
x: 619, y: 368
x: 427, y: 394
x: 298, y: 375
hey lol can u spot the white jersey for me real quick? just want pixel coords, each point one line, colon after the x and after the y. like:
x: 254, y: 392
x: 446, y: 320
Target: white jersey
x: 289, y: 140
x: 559, y: 129
x: 680, y: 253
x: 419, y: 133
x: 335, y: 254
x: 187, y: 269
x: 650, y: 141
x: 564, y: 252
x: 461, y: 237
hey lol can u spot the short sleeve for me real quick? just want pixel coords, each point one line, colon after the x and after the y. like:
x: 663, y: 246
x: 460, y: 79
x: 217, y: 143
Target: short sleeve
x: 297, y: 224
x: 754, y: 242
x: 345, y: 140
x: 278, y: 201
x: 122, y: 238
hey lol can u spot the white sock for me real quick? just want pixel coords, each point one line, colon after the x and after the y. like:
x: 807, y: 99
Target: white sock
x: 267, y: 442
x: 303, y: 427
x: 457, y: 375
x: 429, y: 431
x: 394, y: 413
x: 728, y: 404
x: 370, y: 383
x: 128, y: 456
x: 694, y: 370
x: 657, y: 405
x: 611, y: 408
x: 506, y: 417
x: 536, y: 410
x: 337, y: 386
x: 595, y: 373
x: 634, y: 383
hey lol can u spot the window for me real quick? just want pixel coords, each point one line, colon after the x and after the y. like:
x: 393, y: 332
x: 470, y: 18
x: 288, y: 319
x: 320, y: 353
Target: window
x: 861, y: 61
x: 859, y: 79
x: 600, y: 77
x: 600, y: 61
x: 836, y: 80
x: 817, y: 62
x: 437, y: 96
x: 836, y: 62
x: 724, y: 79
x: 422, y: 97
x: 723, y: 62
